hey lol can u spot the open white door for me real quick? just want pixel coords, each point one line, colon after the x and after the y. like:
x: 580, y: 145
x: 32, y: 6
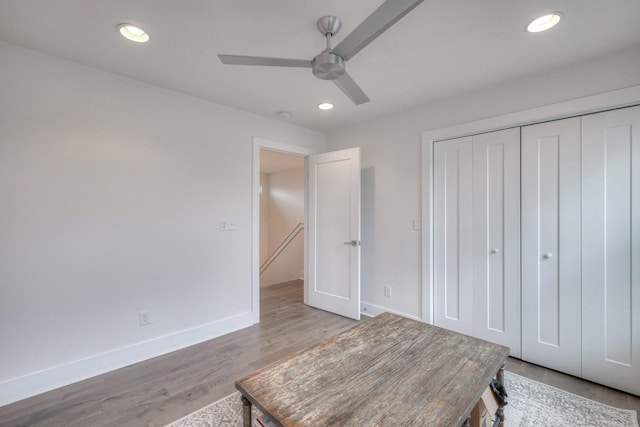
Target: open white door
x: 333, y: 265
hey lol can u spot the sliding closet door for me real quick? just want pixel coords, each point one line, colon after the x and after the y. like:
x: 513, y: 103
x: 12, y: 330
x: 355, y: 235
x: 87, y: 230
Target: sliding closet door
x: 611, y: 253
x: 551, y: 247
x: 496, y: 214
x: 453, y: 235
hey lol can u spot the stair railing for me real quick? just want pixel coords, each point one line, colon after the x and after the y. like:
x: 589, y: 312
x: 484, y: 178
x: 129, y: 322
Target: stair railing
x: 297, y: 229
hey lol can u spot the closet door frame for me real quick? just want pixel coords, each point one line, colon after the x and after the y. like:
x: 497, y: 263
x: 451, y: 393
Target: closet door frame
x: 591, y: 104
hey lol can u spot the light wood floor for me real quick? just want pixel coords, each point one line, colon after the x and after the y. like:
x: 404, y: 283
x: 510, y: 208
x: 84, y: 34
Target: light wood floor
x: 161, y: 390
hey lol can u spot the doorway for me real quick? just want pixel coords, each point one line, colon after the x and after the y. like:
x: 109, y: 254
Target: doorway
x: 282, y: 194
x: 260, y: 145
x: 331, y: 248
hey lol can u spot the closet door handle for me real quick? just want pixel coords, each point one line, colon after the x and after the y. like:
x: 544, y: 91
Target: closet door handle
x: 548, y: 255
x: 494, y: 251
x: 353, y: 243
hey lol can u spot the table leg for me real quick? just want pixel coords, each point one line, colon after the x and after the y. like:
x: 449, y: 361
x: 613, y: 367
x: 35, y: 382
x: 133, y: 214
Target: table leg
x: 500, y: 412
x: 246, y: 412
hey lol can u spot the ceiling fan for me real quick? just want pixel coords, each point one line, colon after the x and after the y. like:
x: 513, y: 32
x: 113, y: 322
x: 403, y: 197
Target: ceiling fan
x: 330, y: 63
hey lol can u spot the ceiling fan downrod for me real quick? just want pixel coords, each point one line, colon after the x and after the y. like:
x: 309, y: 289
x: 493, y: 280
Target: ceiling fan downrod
x: 328, y: 65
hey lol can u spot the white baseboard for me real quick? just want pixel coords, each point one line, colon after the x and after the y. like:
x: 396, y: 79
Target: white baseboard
x: 15, y: 389
x: 372, y: 310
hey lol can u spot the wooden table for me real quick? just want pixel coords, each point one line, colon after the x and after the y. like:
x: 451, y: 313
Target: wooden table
x: 385, y: 371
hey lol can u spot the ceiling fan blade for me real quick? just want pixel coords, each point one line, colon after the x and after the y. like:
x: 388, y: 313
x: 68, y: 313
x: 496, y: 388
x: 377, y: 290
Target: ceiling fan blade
x: 377, y: 23
x: 261, y: 60
x: 351, y: 89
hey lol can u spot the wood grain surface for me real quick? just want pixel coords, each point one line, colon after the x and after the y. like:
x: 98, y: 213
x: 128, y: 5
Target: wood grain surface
x: 386, y: 371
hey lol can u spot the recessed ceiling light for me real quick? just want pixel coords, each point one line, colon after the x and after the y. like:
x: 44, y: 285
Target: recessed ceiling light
x: 325, y: 106
x: 544, y: 22
x: 133, y: 33
x: 284, y: 114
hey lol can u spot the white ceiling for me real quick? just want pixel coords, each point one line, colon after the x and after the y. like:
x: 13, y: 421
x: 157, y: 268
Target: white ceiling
x: 442, y: 48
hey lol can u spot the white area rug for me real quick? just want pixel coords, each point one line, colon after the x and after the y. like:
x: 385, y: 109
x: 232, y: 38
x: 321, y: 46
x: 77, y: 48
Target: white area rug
x: 535, y: 404
x: 531, y: 404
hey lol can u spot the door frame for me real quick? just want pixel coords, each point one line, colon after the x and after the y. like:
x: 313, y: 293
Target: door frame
x: 294, y: 150
x: 590, y: 104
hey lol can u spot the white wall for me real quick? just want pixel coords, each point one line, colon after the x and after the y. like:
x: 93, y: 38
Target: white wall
x: 264, y: 217
x: 110, y: 195
x: 283, y: 196
x: 288, y: 265
x: 391, y: 165
x: 286, y: 204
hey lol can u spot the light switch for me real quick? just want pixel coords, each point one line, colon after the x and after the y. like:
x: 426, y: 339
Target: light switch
x: 417, y: 226
x: 227, y: 225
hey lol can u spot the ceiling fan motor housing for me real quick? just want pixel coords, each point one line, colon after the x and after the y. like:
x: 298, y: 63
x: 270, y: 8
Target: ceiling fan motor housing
x: 328, y: 66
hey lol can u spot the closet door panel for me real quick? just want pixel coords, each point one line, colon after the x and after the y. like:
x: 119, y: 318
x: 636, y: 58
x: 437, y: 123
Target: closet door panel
x: 453, y: 236
x: 551, y: 246
x: 496, y: 209
x: 611, y: 254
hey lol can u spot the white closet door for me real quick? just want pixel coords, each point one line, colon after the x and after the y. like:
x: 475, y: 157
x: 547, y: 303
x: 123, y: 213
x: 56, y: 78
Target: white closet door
x: 551, y: 282
x: 611, y: 251
x: 453, y: 235
x: 496, y: 213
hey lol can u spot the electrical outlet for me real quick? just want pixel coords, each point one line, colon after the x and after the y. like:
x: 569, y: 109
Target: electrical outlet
x: 387, y: 291
x: 144, y: 317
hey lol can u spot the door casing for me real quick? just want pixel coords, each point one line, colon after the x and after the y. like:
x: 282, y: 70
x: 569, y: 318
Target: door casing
x: 265, y: 144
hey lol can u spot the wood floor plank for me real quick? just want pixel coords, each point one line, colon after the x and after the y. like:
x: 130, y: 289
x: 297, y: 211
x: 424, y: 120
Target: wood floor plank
x: 158, y: 391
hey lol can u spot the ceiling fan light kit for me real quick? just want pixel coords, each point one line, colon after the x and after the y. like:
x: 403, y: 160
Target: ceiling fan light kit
x: 330, y: 64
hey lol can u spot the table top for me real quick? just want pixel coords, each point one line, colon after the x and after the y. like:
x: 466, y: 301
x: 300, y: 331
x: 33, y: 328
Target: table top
x: 386, y: 371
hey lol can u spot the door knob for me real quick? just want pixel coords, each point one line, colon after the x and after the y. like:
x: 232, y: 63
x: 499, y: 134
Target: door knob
x: 548, y: 255
x: 353, y: 243
x: 495, y: 250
